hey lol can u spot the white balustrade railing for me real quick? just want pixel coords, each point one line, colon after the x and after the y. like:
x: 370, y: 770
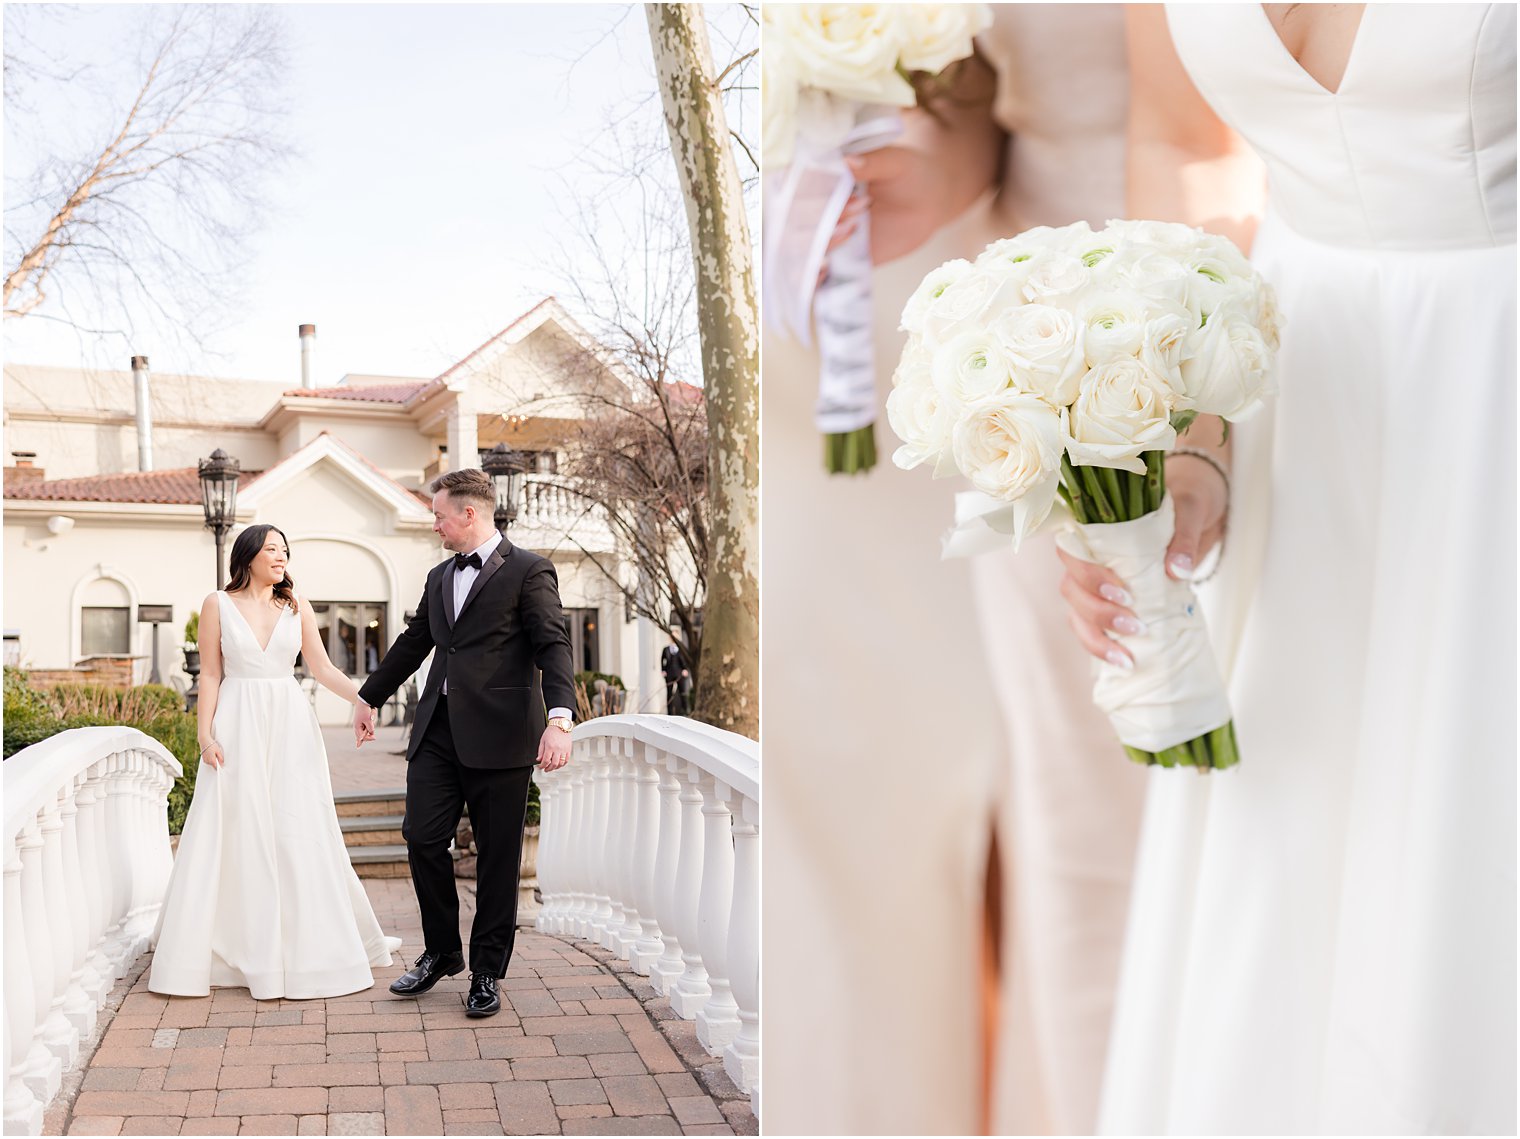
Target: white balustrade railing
x: 87, y: 860
x: 650, y: 847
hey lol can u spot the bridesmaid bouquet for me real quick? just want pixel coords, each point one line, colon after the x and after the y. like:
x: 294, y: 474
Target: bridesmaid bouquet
x: 835, y: 78
x: 1062, y: 364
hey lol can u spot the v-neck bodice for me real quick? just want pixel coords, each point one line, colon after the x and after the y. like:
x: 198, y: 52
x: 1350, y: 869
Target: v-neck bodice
x: 244, y: 658
x: 1414, y: 150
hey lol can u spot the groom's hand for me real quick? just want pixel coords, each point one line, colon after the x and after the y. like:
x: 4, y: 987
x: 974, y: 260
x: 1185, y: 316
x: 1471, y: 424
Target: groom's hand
x: 553, y: 749
x: 364, y: 724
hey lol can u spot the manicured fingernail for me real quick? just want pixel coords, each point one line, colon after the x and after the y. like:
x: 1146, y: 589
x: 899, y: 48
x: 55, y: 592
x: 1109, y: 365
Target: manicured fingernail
x: 1128, y: 625
x: 1181, y: 565
x: 1119, y: 660
x: 1115, y: 594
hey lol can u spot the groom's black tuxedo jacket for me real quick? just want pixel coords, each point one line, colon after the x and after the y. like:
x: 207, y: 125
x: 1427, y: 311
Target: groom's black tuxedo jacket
x: 511, y: 620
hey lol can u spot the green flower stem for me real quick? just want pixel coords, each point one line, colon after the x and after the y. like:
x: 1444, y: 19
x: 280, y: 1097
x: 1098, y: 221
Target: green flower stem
x: 1213, y: 751
x: 850, y: 452
x: 1135, y: 485
x: 1071, y: 485
x: 1115, y: 492
x: 1155, y: 479
x: 1093, y: 487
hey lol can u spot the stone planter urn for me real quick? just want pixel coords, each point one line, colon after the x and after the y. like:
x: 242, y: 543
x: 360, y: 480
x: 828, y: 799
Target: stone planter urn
x: 527, y: 879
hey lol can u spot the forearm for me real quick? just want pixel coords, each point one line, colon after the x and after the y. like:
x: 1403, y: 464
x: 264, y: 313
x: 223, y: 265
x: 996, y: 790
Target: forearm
x: 336, y: 681
x: 205, y: 707
x: 1221, y: 193
x: 959, y: 133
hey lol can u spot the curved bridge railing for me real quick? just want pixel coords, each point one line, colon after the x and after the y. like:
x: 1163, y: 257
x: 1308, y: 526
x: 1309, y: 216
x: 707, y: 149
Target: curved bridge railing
x: 87, y: 860
x: 650, y: 845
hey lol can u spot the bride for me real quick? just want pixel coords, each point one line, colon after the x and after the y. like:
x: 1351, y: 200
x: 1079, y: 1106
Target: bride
x: 262, y: 894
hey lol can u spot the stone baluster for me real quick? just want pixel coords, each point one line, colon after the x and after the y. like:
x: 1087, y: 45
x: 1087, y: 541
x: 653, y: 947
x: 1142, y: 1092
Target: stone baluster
x: 546, y: 835
x: 718, y: 1022
x: 691, y: 990
x: 57, y: 1033
x: 664, y: 971
x: 78, y: 1005
x: 118, y: 867
x: 578, y: 845
x: 144, y: 857
x: 23, y: 1105
x: 609, y: 870
x: 89, y: 824
x: 626, y: 868
x: 648, y: 947
x: 601, y: 848
x: 41, y: 1068
x: 741, y: 1059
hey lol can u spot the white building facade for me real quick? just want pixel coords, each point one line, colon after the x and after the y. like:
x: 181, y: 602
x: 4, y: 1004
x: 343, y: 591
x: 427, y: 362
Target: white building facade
x: 102, y: 507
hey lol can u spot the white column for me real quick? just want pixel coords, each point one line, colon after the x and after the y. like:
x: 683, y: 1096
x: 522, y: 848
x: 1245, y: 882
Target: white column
x: 546, y: 836
x: 741, y: 1059
x: 41, y: 1069
x: 23, y: 1109
x: 664, y: 972
x: 691, y: 990
x: 609, y: 866
x: 718, y: 1022
x: 464, y: 448
x: 578, y: 845
x: 651, y: 690
x: 647, y: 792
x: 628, y: 841
x: 77, y: 1003
x: 57, y: 1033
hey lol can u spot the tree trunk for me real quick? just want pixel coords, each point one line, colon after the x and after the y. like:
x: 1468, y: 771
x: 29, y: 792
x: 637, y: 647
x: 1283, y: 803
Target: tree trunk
x: 728, y: 682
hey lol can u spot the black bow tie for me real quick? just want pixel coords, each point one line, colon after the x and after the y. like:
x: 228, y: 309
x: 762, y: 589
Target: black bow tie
x: 462, y: 560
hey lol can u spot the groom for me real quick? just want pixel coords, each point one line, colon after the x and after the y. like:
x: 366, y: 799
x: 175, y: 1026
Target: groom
x: 488, y: 615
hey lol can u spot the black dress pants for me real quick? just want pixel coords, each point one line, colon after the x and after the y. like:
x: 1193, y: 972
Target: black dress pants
x: 438, y: 787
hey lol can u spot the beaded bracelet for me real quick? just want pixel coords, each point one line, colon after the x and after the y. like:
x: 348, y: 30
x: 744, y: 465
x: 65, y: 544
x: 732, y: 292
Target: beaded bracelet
x: 1211, y: 461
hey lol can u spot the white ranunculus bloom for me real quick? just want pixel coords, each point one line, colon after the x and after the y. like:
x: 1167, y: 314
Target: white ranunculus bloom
x: 1230, y: 371
x: 1122, y: 410
x: 1009, y: 445
x: 936, y: 35
x: 1113, y: 325
x: 971, y: 366
x: 928, y: 291
x: 1053, y: 276
x: 1145, y: 270
x: 849, y: 50
x: 914, y: 366
x: 967, y: 303
x: 922, y: 418
x: 1168, y: 237
x: 1164, y: 346
x: 1043, y: 346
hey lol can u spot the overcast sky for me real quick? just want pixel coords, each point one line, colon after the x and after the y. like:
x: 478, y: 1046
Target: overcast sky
x: 426, y: 203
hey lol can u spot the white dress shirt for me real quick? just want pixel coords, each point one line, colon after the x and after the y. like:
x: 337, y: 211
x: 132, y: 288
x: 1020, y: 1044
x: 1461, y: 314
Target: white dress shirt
x: 463, y: 580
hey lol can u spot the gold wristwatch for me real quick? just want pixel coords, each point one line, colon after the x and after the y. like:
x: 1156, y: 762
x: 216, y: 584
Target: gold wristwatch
x: 562, y: 723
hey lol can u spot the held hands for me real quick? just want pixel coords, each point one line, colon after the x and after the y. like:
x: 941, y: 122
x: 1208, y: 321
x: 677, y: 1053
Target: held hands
x: 364, y: 723
x: 1100, y: 603
x: 553, y: 749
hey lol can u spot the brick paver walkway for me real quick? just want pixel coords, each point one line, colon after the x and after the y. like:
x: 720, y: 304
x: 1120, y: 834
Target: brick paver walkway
x: 380, y: 765
x: 582, y: 1045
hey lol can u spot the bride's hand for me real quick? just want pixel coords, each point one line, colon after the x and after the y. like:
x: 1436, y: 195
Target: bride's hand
x: 213, y: 755
x: 1101, y: 603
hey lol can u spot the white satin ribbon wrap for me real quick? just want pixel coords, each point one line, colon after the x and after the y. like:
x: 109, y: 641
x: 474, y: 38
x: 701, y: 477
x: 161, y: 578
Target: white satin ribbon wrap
x: 1175, y: 692
x: 987, y: 525
x: 803, y: 204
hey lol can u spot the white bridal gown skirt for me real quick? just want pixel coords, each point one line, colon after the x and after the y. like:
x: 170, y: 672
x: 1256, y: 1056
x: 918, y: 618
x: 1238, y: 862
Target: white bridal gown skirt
x: 263, y: 894
x: 1323, y: 939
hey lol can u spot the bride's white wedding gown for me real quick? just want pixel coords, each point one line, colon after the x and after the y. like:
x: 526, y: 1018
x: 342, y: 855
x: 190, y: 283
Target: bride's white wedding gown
x: 1323, y: 940
x: 263, y: 894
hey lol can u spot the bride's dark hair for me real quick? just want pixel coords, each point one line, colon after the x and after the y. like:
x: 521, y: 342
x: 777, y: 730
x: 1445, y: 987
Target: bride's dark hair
x: 245, y: 548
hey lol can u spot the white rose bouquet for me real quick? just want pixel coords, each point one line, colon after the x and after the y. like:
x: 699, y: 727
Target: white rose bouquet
x: 835, y: 79
x: 1062, y: 365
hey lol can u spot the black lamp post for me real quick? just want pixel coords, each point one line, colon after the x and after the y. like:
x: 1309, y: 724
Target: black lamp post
x: 506, y: 468
x: 219, y: 485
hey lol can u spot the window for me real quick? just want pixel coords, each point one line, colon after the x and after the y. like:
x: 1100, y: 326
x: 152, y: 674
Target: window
x: 13, y: 647
x: 353, y: 633
x: 585, y: 646
x: 106, y: 630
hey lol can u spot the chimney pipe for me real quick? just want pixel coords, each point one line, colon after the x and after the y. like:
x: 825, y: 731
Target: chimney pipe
x: 144, y: 414
x: 308, y: 338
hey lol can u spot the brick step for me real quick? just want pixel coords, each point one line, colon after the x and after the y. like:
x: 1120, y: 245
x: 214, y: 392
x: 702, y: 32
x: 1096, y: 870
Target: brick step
x: 371, y: 804
x: 381, y: 830
x: 379, y: 861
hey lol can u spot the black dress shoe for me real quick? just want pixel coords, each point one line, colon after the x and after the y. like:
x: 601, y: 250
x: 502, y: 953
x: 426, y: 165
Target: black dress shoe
x: 428, y: 970
x: 483, y: 999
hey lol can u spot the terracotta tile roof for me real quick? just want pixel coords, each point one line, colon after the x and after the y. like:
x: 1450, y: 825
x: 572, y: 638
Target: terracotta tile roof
x: 682, y: 392
x: 180, y: 486
x: 373, y: 393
